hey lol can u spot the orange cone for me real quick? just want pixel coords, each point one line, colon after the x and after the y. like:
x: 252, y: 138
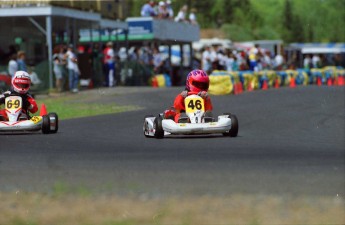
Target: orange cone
x: 329, y: 81
x: 235, y: 89
x: 240, y: 87
x: 154, y: 82
x: 276, y: 83
x: 318, y: 81
x: 292, y: 82
x: 43, y: 110
x: 264, y: 85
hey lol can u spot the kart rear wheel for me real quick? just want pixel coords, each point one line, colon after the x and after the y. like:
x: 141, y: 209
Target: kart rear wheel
x: 53, y: 122
x: 157, y: 126
x: 234, y: 126
x: 45, y: 124
x: 146, y: 127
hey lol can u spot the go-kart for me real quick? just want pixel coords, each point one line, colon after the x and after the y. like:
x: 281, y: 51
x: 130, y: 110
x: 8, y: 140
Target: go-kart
x: 194, y: 121
x: 18, y: 121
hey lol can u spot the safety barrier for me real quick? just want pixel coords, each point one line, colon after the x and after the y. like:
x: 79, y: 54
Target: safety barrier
x: 225, y: 82
x: 161, y: 80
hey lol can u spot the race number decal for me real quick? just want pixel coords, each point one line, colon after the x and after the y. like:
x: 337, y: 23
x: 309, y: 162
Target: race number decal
x: 13, y: 103
x: 36, y: 119
x: 193, y: 104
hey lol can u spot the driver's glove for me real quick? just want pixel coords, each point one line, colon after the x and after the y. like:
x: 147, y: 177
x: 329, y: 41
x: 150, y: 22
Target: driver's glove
x: 203, y: 94
x: 184, y: 94
x: 5, y: 94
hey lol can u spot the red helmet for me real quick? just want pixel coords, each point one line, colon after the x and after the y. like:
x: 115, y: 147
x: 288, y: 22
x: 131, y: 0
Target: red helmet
x: 197, y: 80
x: 21, y: 82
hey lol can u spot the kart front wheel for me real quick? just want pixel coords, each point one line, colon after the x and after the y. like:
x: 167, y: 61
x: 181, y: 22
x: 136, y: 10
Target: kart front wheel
x: 50, y: 123
x: 234, y: 126
x: 146, y: 126
x: 53, y: 122
x: 157, y: 126
x: 45, y: 124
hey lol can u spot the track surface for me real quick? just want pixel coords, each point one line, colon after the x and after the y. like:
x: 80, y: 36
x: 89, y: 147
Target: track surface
x: 291, y: 141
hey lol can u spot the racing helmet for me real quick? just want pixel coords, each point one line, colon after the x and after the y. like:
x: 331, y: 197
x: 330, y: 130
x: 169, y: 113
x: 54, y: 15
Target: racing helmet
x: 21, y: 82
x: 197, y: 80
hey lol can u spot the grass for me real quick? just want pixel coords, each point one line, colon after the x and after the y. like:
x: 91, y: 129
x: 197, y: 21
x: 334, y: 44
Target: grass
x: 67, y: 208
x: 75, y: 106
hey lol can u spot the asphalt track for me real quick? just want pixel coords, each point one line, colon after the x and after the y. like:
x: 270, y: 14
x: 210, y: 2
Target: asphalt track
x: 291, y: 141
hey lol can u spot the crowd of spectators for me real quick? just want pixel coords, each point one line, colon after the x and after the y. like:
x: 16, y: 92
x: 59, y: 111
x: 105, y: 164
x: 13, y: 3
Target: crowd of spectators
x: 164, y: 10
x: 257, y: 59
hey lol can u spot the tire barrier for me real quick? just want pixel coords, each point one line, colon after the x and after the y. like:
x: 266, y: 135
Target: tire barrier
x: 235, y: 82
x: 161, y: 80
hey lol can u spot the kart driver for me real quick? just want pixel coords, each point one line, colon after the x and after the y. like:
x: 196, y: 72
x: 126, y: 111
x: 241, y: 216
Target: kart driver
x: 21, y: 83
x: 197, y: 82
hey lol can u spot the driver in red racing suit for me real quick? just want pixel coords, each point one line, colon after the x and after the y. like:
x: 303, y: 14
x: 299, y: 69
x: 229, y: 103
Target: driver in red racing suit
x: 197, y: 82
x: 21, y: 83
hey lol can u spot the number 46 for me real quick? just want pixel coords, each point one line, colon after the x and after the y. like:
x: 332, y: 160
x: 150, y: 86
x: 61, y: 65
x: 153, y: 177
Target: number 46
x: 196, y: 105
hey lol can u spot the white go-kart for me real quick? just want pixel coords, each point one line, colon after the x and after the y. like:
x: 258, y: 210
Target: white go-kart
x: 194, y: 121
x: 18, y: 121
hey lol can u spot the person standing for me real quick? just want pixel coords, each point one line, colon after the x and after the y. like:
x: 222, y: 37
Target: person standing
x: 21, y: 61
x: 12, y: 65
x: 72, y: 67
x: 206, y: 60
x: 148, y: 9
x: 181, y: 16
x: 109, y: 63
x: 58, y: 69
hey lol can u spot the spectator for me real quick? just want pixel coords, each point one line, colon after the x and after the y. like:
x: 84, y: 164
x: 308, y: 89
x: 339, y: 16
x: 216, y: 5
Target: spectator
x: 158, y: 61
x: 12, y: 65
x: 21, y: 61
x: 192, y: 16
x: 170, y: 9
x: 253, y: 57
x: 35, y: 80
x: 163, y: 12
x: 278, y: 62
x: 231, y: 62
x: 58, y: 68
x: 96, y: 57
x: 206, y: 60
x: 135, y: 55
x: 148, y: 9
x: 266, y: 61
x: 109, y: 63
x: 316, y: 61
x: 73, y: 70
x: 307, y: 62
x: 181, y: 16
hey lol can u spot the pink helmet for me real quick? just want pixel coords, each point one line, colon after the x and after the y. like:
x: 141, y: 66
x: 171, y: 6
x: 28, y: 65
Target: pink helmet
x: 21, y: 82
x: 197, y: 80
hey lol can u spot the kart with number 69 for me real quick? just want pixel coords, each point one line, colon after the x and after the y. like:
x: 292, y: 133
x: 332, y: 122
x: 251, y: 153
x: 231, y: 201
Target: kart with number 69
x: 19, y: 121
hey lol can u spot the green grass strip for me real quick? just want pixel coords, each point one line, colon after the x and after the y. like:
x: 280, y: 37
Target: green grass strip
x: 68, y: 107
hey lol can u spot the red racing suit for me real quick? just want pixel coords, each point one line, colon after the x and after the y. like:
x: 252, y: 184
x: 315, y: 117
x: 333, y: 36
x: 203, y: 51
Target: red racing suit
x: 179, y: 105
x: 29, y: 103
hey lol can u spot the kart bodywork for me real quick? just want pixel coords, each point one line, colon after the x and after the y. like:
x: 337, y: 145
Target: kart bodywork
x: 195, y: 121
x: 20, y: 122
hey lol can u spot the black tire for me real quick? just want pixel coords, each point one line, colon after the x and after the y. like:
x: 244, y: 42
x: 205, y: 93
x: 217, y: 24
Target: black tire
x: 157, y: 126
x: 145, y: 125
x: 234, y: 126
x: 53, y: 116
x: 45, y: 125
